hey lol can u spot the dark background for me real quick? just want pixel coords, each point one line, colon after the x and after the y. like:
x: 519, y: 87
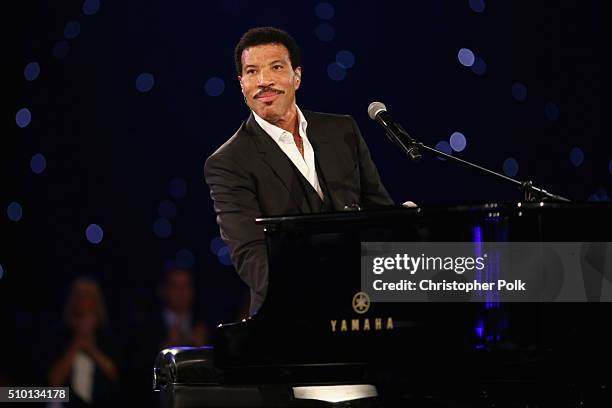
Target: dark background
x: 113, y: 153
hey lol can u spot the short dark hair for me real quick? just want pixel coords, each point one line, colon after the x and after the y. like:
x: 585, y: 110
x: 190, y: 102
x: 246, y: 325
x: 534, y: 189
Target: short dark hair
x: 266, y: 35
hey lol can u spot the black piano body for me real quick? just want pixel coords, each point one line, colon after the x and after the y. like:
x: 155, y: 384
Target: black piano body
x: 308, y: 332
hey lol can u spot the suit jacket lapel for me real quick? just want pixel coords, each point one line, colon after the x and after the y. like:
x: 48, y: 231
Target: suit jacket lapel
x: 274, y: 157
x: 325, y: 153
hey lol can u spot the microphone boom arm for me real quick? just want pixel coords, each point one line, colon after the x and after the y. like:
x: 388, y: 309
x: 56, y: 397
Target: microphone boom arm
x: 531, y: 192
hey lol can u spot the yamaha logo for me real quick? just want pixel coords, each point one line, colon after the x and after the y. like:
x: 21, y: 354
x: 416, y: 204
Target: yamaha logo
x: 361, y: 305
x: 361, y: 302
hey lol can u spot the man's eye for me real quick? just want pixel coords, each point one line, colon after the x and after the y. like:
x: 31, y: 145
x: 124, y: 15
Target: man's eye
x: 250, y: 71
x: 278, y: 67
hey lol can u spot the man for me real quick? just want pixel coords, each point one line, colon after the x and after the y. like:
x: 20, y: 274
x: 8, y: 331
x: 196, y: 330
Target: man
x: 180, y: 327
x: 283, y: 160
x: 174, y: 322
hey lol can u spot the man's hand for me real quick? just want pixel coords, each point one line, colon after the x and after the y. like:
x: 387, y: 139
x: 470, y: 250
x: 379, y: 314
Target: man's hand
x: 409, y: 204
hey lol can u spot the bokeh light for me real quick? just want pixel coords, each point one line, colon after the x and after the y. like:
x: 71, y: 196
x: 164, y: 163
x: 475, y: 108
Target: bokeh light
x: 91, y: 7
x: 167, y: 209
x: 145, y: 82
x: 519, y: 91
x: 184, y: 258
x: 466, y: 57
x: 14, y: 211
x: 214, y: 86
x: 94, y: 233
x: 162, y: 228
x: 61, y: 49
x: 478, y: 6
x: 177, y: 188
x: 336, y: 71
x: 224, y: 256
x: 576, y: 156
x: 216, y: 244
x: 510, y: 167
x: 600, y: 195
x: 31, y: 71
x: 345, y: 58
x: 38, y: 163
x: 479, y: 67
x: 72, y: 30
x: 457, y: 141
x: 324, y: 11
x: 444, y: 147
x: 23, y: 117
x: 1, y: 271
x: 325, y: 32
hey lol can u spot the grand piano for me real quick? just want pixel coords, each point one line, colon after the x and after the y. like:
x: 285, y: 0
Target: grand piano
x: 318, y: 341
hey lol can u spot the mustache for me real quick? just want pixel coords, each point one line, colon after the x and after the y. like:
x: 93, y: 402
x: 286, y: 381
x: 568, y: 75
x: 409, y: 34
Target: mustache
x: 268, y: 89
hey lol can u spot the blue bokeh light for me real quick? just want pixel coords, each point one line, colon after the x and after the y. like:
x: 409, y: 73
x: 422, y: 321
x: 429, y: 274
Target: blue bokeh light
x: 519, y: 91
x: 479, y: 67
x: 576, y: 156
x: 610, y: 167
x: 444, y: 147
x: 177, y: 188
x: 214, y: 86
x: 94, y: 233
x: 224, y: 256
x: 145, y: 82
x: 31, y: 71
x: 185, y: 259
x: 72, y: 30
x: 324, y: 11
x: 162, y: 228
x: 167, y: 209
x: 345, y: 58
x: 336, y: 71
x: 1, y: 271
x: 61, y: 49
x: 14, y: 211
x: 457, y: 141
x: 325, y: 32
x: 551, y: 110
x: 216, y: 244
x: 91, y: 7
x: 510, y: 167
x: 601, y: 195
x: 38, y: 163
x: 466, y: 57
x: 478, y: 6
x: 23, y: 117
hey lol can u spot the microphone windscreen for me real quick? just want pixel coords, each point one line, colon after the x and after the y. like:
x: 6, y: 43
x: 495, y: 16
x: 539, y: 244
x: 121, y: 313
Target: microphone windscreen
x: 375, y: 108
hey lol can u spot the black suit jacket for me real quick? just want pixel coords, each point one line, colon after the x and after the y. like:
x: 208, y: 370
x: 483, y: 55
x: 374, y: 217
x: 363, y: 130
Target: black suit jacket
x: 250, y: 176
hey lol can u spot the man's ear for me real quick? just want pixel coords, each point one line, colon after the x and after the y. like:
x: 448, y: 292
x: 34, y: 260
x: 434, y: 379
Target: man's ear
x: 240, y: 82
x: 298, y: 77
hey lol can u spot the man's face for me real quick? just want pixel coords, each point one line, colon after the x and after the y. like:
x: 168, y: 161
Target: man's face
x: 269, y: 82
x: 178, y: 291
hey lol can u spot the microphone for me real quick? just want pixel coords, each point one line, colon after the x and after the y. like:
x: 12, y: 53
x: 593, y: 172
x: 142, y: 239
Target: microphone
x: 378, y: 111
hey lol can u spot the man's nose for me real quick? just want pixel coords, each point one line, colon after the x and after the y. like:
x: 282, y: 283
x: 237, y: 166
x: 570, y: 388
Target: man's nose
x: 264, y: 79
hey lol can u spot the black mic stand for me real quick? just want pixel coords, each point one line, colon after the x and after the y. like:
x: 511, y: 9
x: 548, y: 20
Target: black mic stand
x: 413, y: 148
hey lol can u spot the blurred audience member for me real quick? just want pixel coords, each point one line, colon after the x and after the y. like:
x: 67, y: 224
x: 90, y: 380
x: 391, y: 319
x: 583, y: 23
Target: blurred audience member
x: 173, y: 323
x: 179, y: 326
x: 87, y: 357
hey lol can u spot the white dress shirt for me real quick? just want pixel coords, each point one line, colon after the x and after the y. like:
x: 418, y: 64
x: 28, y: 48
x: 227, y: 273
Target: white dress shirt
x: 82, y: 381
x: 284, y: 140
